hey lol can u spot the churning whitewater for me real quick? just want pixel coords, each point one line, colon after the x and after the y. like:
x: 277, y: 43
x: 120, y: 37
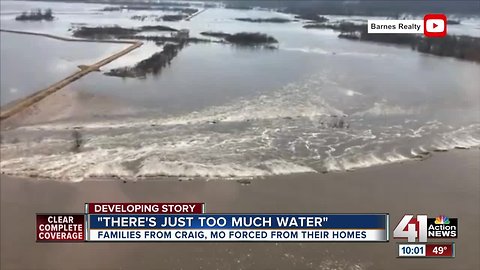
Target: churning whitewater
x: 295, y: 129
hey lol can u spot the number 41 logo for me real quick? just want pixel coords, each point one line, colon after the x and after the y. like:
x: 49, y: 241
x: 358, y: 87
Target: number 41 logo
x: 412, y: 228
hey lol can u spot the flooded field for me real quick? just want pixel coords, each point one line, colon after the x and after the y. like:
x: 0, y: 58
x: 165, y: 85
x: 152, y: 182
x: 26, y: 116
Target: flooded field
x: 50, y: 61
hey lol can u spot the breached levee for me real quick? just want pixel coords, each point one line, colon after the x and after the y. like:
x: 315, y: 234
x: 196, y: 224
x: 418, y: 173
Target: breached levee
x: 294, y: 129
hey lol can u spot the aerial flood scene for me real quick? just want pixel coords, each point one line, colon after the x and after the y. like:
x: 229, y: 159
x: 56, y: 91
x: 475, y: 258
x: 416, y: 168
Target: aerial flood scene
x: 248, y: 106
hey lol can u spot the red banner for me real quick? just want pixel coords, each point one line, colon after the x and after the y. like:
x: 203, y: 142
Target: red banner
x: 145, y: 208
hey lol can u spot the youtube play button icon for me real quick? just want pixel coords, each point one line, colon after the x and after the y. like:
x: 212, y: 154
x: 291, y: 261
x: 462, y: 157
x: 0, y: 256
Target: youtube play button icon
x: 435, y: 25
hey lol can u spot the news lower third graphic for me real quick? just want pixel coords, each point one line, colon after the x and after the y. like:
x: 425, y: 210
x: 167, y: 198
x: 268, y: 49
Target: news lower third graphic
x: 432, y: 25
x: 189, y: 222
x: 238, y: 227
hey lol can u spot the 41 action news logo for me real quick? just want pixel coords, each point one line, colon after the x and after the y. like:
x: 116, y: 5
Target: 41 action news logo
x: 421, y: 227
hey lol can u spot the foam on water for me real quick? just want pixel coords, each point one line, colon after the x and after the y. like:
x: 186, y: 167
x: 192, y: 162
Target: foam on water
x: 361, y: 160
x: 465, y: 137
x: 154, y: 166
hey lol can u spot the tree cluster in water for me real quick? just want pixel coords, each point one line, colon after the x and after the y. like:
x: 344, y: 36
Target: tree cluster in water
x: 264, y: 20
x: 36, y: 15
x: 243, y: 38
x: 312, y: 17
x: 215, y: 34
x: 117, y: 32
x: 151, y: 65
x: 183, y: 11
x: 158, y: 18
x: 173, y: 18
x: 109, y: 32
x: 239, y: 6
x: 462, y: 47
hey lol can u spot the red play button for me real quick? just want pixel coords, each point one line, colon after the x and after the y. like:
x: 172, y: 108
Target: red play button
x: 435, y: 25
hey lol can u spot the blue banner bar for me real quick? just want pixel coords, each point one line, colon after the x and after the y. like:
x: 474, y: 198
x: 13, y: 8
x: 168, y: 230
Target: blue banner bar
x: 240, y: 221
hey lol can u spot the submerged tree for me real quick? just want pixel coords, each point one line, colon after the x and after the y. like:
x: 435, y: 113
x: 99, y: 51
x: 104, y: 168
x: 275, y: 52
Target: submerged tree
x: 48, y: 15
x: 36, y: 15
x: 77, y: 141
